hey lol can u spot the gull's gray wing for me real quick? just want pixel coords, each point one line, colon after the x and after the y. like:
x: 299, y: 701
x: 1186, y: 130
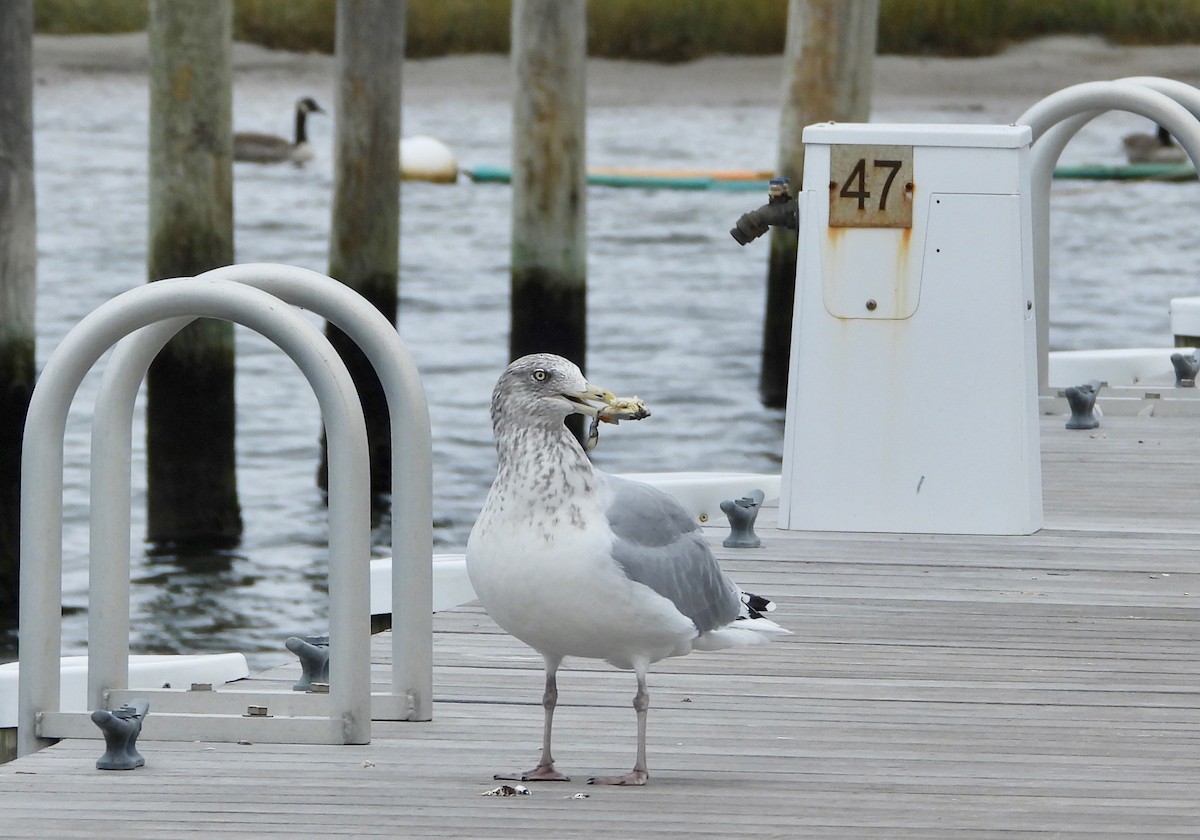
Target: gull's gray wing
x: 660, y: 546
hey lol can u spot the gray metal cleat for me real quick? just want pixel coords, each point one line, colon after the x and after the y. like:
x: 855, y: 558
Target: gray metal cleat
x: 1186, y: 368
x: 121, y: 728
x: 313, y: 652
x: 1082, y: 400
x: 742, y: 513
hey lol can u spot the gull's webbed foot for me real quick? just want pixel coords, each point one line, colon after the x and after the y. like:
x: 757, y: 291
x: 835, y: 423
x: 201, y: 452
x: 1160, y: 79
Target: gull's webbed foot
x: 541, y: 773
x: 633, y: 777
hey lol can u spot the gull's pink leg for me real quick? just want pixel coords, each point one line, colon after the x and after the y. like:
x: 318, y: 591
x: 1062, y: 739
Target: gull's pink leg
x: 641, y: 703
x: 545, y: 771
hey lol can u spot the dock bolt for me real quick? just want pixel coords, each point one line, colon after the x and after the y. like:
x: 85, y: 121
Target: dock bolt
x: 313, y: 653
x: 1186, y: 368
x: 1082, y: 400
x: 121, y: 728
x: 742, y: 513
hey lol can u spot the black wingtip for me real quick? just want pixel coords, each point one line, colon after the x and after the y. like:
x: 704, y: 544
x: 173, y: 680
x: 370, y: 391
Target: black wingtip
x: 756, y: 605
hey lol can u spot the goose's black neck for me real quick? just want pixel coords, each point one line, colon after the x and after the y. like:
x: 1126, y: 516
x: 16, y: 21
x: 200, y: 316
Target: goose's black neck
x: 301, y: 126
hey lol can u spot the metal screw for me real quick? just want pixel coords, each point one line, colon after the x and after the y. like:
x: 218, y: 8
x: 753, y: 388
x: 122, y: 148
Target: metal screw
x: 871, y: 304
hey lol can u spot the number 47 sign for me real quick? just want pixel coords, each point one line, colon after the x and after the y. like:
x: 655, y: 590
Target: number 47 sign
x: 870, y: 186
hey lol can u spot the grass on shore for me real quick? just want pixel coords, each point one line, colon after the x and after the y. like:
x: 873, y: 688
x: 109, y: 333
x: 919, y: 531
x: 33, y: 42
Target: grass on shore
x: 676, y: 30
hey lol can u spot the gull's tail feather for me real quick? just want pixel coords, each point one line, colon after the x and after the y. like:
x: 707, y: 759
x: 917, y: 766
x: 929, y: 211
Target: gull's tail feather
x: 753, y: 606
x: 750, y: 627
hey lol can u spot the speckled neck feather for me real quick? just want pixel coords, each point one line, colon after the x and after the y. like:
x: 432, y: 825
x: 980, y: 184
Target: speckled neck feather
x: 543, y: 472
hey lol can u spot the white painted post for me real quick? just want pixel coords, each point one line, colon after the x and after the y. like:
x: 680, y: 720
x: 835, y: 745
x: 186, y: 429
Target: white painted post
x: 913, y: 398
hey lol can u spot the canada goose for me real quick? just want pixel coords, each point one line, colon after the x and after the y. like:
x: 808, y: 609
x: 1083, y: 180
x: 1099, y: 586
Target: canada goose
x: 1153, y: 148
x: 268, y: 148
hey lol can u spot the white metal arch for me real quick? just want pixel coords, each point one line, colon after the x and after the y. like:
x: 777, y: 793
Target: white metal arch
x: 1056, y: 119
x: 412, y: 538
x: 348, y: 703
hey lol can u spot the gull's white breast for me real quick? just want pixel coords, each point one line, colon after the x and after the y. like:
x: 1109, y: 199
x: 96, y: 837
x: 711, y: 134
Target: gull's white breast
x: 552, y: 582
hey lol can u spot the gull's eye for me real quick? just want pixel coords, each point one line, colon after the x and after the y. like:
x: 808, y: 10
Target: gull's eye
x: 540, y: 375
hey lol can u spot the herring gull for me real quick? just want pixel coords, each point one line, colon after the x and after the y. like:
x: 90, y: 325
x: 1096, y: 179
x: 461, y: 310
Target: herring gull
x: 575, y: 562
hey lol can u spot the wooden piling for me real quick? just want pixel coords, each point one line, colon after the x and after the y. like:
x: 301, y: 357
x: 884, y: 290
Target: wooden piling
x: 364, y: 247
x: 549, y: 189
x: 828, y: 63
x: 18, y: 278
x: 192, y: 485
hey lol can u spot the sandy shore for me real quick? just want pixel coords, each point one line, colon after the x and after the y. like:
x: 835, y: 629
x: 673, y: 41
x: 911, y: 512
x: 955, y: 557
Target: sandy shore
x: 1020, y: 75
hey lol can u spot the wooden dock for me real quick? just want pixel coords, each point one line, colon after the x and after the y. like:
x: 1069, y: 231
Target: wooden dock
x: 936, y: 687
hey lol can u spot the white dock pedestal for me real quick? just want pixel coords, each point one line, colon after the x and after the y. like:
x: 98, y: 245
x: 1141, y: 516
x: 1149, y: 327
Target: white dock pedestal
x: 912, y: 401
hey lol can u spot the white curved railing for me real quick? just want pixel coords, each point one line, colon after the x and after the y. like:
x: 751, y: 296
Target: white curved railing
x: 149, y: 316
x: 412, y: 513
x: 1056, y: 119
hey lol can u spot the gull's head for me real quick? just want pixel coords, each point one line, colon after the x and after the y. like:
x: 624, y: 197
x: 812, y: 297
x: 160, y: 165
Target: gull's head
x: 543, y: 386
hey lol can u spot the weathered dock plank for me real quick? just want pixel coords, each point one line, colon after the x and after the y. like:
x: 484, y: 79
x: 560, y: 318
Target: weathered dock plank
x: 936, y: 687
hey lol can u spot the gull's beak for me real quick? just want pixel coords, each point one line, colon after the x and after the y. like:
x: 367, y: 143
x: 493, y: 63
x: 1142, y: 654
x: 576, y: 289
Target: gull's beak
x: 582, y: 400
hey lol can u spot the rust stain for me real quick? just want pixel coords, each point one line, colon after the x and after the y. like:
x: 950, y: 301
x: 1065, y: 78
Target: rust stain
x: 904, y: 286
x: 903, y: 263
x: 883, y: 297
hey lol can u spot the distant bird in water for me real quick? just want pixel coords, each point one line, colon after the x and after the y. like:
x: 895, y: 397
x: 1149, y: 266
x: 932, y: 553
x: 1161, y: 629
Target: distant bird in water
x: 1153, y: 148
x: 268, y: 148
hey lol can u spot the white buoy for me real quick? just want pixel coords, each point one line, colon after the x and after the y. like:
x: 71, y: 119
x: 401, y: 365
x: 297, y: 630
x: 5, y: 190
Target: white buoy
x: 424, y: 158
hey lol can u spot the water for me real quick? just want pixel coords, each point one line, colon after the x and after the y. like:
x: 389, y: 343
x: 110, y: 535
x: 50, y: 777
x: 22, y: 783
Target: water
x: 675, y: 311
